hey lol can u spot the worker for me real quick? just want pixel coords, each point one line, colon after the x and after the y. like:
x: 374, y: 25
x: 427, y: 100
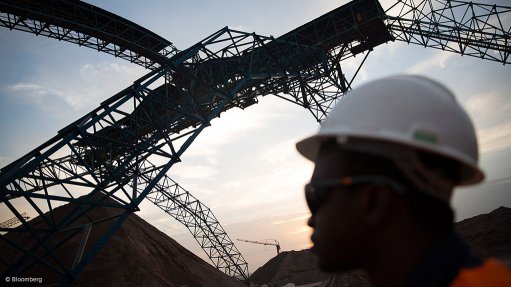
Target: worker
x: 387, y: 159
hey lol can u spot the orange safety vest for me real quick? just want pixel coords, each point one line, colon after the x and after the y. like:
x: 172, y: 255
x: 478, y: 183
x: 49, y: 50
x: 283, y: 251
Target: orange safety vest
x: 491, y: 273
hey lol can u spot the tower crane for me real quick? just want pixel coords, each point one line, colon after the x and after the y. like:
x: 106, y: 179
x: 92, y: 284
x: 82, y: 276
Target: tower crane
x: 273, y: 242
x: 13, y: 221
x: 119, y: 154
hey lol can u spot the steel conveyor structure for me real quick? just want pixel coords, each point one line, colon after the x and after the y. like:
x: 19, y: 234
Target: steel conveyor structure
x: 89, y: 26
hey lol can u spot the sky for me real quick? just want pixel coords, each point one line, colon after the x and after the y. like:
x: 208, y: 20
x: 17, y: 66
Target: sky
x: 245, y: 166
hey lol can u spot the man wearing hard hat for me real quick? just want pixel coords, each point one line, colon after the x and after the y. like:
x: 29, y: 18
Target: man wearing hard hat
x: 387, y: 159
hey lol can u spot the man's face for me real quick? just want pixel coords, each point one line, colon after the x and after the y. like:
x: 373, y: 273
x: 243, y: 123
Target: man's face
x: 338, y: 228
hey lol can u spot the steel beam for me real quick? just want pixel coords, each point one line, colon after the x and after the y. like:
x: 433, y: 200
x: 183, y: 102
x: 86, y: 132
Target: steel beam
x: 467, y: 28
x: 89, y: 26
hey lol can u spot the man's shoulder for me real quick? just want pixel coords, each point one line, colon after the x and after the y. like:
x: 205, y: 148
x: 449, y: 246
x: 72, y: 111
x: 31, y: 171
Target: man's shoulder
x: 491, y: 273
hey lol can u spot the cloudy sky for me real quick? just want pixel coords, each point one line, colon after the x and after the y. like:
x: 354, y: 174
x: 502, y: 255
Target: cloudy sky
x: 244, y: 167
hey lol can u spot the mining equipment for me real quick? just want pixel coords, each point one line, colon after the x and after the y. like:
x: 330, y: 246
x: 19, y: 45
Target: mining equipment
x: 272, y: 242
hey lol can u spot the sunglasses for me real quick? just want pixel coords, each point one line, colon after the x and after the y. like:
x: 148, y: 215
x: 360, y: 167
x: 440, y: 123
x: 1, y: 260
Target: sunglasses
x: 318, y: 192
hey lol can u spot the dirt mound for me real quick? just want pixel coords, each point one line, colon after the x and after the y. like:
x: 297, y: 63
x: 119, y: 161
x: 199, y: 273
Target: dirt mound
x: 138, y: 254
x: 488, y: 234
x: 298, y: 267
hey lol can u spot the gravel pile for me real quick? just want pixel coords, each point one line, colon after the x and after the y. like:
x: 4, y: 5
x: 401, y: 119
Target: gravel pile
x: 138, y: 254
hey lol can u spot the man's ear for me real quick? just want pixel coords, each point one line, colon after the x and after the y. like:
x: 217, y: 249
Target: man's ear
x: 377, y: 204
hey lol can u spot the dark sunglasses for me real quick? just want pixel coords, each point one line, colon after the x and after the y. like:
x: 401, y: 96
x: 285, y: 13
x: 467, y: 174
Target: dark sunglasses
x: 318, y: 192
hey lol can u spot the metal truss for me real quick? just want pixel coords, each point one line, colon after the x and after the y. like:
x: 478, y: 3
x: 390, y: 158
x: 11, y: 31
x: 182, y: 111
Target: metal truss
x: 109, y: 163
x: 118, y: 154
x: 343, y: 33
x: 466, y: 28
x: 202, y: 223
x: 89, y: 26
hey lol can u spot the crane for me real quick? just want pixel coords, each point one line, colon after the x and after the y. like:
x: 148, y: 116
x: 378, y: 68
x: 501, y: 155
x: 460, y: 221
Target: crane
x: 273, y: 242
x: 119, y: 153
x: 13, y: 221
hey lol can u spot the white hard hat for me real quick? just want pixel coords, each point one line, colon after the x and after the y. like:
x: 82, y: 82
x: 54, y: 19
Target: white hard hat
x: 403, y: 111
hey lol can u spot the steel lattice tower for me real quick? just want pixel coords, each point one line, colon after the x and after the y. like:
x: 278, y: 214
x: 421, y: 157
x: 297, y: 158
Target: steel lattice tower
x: 120, y: 153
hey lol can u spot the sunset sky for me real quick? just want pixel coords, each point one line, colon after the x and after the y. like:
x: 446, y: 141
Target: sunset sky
x: 245, y: 166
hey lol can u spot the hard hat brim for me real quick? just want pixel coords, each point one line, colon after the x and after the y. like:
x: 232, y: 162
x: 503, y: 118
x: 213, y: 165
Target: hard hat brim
x: 310, y: 147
